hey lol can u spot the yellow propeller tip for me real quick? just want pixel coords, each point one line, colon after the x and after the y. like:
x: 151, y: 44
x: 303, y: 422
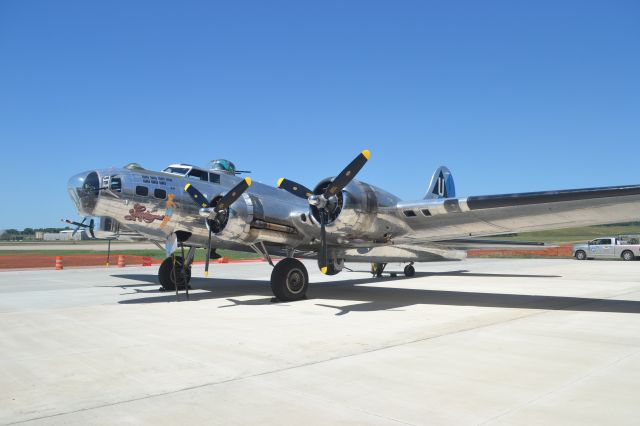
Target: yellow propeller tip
x: 280, y: 182
x: 367, y: 154
x: 324, y: 270
x: 187, y: 186
x: 248, y: 180
x: 206, y: 274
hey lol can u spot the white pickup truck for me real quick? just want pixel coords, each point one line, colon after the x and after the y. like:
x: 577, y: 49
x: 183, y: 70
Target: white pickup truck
x: 626, y: 248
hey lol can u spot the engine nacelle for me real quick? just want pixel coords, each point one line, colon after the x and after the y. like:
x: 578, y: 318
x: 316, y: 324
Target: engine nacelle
x: 234, y: 223
x: 243, y: 222
x: 354, y: 212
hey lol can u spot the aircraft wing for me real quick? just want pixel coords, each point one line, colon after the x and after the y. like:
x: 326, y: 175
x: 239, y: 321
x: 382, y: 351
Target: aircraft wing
x: 433, y: 220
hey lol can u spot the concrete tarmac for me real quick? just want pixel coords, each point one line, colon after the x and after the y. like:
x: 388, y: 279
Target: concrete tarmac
x: 483, y: 341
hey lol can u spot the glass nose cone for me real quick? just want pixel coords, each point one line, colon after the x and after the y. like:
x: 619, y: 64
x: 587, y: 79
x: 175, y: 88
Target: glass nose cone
x: 84, y: 189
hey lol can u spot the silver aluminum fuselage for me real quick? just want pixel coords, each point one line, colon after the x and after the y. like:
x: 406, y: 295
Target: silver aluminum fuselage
x: 369, y: 225
x: 264, y: 213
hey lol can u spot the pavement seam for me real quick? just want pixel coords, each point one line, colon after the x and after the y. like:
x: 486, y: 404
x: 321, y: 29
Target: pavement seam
x: 265, y: 373
x: 561, y: 387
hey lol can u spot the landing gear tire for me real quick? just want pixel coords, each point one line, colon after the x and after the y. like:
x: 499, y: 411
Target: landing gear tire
x: 581, y: 255
x: 409, y: 271
x: 289, y: 280
x: 168, y: 279
x: 331, y: 268
x: 628, y: 255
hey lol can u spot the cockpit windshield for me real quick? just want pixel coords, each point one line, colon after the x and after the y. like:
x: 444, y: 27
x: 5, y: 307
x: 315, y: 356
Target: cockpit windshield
x: 176, y: 170
x: 225, y: 166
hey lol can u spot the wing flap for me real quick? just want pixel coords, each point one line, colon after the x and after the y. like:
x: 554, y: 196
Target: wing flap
x: 468, y: 244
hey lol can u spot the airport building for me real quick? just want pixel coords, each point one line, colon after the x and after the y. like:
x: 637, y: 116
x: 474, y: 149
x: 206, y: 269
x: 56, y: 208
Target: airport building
x: 66, y: 235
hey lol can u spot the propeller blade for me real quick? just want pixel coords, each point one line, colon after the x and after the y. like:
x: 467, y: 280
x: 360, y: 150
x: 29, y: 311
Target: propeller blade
x: 71, y: 222
x: 347, y: 174
x: 81, y: 225
x: 206, y: 262
x: 322, y: 255
x: 196, y: 195
x: 294, y: 188
x: 232, y: 195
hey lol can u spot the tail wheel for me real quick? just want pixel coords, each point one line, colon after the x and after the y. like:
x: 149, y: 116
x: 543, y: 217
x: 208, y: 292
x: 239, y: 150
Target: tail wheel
x: 581, y: 255
x: 628, y: 255
x: 169, y: 277
x: 289, y: 280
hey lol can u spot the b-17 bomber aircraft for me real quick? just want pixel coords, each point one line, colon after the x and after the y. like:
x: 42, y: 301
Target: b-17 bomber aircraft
x: 340, y: 220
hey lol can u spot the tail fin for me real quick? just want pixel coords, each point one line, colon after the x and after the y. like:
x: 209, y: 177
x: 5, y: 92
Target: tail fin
x: 441, y: 185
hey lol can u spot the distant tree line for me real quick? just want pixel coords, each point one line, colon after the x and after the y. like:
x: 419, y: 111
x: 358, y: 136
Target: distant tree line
x: 26, y: 233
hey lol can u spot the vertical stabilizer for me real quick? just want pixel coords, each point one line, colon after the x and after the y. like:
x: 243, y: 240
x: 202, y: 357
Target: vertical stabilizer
x: 441, y: 185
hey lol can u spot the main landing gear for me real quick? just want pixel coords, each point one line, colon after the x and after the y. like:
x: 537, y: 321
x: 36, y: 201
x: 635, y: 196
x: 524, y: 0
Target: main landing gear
x: 289, y: 280
x: 409, y: 270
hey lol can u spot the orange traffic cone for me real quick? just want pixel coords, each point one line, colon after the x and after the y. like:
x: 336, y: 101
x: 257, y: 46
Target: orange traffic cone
x: 58, y: 263
x: 120, y: 261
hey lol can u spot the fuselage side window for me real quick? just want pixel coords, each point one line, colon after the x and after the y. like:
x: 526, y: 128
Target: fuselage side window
x: 160, y: 193
x: 142, y: 190
x: 198, y: 174
x: 116, y: 184
x: 214, y: 178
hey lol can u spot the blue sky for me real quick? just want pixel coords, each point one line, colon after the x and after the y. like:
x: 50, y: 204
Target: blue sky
x: 512, y: 96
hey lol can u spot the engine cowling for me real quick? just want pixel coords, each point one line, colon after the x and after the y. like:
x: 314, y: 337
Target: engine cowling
x: 353, y: 212
x: 234, y: 223
x: 242, y: 222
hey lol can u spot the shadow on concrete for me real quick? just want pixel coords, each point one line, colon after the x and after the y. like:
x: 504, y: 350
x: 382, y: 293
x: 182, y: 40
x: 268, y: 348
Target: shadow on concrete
x: 376, y: 298
x: 462, y: 273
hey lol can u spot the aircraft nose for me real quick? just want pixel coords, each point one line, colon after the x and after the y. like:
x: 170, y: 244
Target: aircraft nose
x: 84, y: 189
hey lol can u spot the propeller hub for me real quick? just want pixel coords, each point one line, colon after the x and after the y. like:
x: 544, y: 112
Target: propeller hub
x: 326, y: 200
x: 206, y: 212
x: 318, y: 201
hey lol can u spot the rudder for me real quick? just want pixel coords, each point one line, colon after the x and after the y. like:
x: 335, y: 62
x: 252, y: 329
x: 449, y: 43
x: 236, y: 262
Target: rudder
x: 441, y: 185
